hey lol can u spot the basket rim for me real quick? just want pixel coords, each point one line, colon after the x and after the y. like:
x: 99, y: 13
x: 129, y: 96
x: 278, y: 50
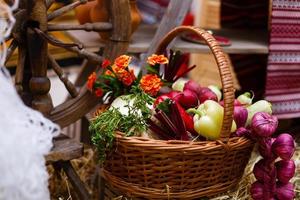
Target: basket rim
x: 136, y: 141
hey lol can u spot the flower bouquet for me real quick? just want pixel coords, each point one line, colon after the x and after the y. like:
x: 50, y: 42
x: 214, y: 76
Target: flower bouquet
x: 162, y: 136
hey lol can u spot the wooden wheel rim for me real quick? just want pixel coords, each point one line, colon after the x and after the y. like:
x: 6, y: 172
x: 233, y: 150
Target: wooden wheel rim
x: 72, y: 109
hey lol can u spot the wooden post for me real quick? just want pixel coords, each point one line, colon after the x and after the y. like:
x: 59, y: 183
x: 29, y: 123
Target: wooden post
x: 37, y: 50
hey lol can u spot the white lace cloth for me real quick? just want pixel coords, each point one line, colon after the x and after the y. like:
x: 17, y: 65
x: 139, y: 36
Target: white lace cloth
x: 25, y: 137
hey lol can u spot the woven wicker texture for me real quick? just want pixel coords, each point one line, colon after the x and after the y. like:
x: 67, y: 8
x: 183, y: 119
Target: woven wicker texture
x: 158, y: 169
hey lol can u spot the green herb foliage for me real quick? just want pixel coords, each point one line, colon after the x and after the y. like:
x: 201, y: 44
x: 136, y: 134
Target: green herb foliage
x: 103, y: 127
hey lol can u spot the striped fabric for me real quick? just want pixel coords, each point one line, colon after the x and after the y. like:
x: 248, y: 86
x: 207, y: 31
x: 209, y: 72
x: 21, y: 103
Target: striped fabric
x: 244, y: 13
x: 283, y: 71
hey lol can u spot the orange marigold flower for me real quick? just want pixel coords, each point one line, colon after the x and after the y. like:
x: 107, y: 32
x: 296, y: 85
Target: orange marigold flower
x: 98, y: 92
x: 157, y: 59
x: 151, y: 84
x: 109, y: 73
x: 127, y: 77
x: 105, y: 63
x: 118, y: 69
x: 91, y: 81
x: 123, y: 61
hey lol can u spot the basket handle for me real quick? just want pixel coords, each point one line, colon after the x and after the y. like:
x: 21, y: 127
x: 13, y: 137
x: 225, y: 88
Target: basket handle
x: 223, y: 66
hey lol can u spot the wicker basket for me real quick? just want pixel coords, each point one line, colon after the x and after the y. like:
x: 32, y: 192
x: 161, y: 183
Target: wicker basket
x: 158, y: 169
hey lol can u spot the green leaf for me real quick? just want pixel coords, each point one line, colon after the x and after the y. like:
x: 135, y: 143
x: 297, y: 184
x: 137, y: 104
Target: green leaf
x: 108, y: 78
x: 164, y: 106
x: 152, y: 70
x: 139, y: 76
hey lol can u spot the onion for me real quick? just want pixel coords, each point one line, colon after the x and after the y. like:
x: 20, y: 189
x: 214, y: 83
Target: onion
x: 189, y: 99
x: 240, y: 115
x: 285, y: 191
x: 257, y: 191
x: 265, y: 148
x: 175, y: 95
x: 121, y: 103
x: 207, y: 94
x: 216, y: 90
x: 192, y: 85
x: 284, y: 146
x: 285, y: 170
x: 261, y: 172
x: 264, y: 124
x: 160, y: 99
x: 242, y: 131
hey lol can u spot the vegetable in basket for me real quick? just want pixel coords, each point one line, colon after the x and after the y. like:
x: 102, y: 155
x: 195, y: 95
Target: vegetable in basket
x: 246, y: 98
x: 208, y: 119
x: 174, y: 122
x: 215, y: 89
x: 211, y: 92
x: 175, y: 96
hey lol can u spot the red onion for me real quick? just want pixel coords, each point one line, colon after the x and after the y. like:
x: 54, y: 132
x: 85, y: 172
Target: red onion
x: 207, y: 94
x: 284, y: 146
x: 264, y: 124
x: 242, y: 131
x: 261, y: 172
x: 160, y: 99
x: 285, y: 191
x: 285, y: 170
x: 189, y: 99
x: 257, y: 191
x: 192, y: 85
x: 240, y: 116
x: 175, y: 95
x: 265, y: 148
x: 215, y: 89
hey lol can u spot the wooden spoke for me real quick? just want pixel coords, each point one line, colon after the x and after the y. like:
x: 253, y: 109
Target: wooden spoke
x: 99, y: 26
x: 86, y: 54
x: 56, y: 42
x: 10, y: 50
x: 20, y: 69
x: 63, y: 77
x: 65, y: 9
x: 86, y: 69
x: 74, y: 47
x: 49, y: 3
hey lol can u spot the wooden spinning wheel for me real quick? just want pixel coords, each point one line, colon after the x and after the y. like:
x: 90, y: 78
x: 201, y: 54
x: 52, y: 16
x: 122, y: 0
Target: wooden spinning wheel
x: 30, y: 36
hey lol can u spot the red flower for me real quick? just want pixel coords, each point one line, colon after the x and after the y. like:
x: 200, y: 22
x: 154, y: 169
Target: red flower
x: 105, y: 63
x: 151, y: 84
x: 91, y: 81
x: 127, y: 77
x: 98, y: 92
